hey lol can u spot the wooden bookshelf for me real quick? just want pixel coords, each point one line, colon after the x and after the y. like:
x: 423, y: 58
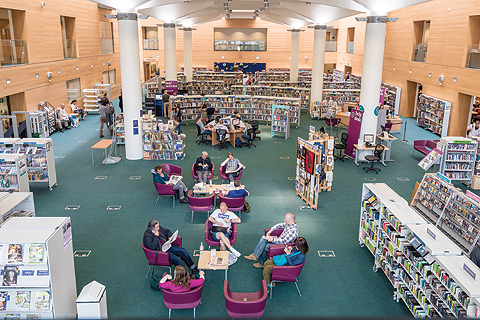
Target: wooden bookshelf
x: 433, y: 114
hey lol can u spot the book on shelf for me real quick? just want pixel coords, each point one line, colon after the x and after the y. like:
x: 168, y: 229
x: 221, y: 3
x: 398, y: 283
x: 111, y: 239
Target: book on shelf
x: 42, y: 300
x: 22, y: 301
x: 36, y: 252
x: 3, y: 300
x: 10, y: 274
x: 15, y: 253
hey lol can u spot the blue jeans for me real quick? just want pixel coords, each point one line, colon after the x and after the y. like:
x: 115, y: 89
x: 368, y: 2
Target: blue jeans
x: 214, y: 236
x: 261, y: 250
x: 177, y: 254
x: 231, y: 176
x: 209, y: 132
x: 245, y: 137
x: 179, y: 124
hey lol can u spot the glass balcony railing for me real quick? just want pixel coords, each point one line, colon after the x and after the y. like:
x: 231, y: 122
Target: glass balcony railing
x: 13, y: 52
x: 350, y: 47
x: 419, y: 52
x: 330, y: 46
x: 474, y: 56
x: 69, y: 49
x: 150, y: 44
x: 230, y: 45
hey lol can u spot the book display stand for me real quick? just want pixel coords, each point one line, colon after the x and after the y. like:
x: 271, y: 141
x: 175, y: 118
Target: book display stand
x: 160, y: 142
x: 13, y: 173
x: 281, y: 120
x: 314, y: 169
x: 338, y: 75
x: 90, y: 100
x: 433, y: 114
x: 39, y: 123
x: 16, y: 204
x: 458, y: 161
x: 51, y: 115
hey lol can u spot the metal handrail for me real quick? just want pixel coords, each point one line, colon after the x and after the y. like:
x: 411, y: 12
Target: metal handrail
x: 419, y: 52
x: 69, y: 49
x: 330, y: 46
x: 150, y: 44
x: 13, y: 52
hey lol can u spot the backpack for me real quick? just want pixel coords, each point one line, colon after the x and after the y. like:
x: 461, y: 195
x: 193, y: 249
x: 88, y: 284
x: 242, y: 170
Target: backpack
x: 238, y: 143
x: 246, y: 207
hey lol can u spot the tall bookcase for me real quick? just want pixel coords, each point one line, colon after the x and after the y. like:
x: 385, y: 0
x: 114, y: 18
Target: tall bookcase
x: 426, y: 269
x: 476, y: 171
x: 304, y: 84
x: 337, y: 76
x: 281, y: 120
x: 160, y: 142
x: 356, y: 80
x: 226, y: 105
x: 44, y: 286
x: 13, y: 173
x: 189, y: 105
x: 340, y: 85
x: 262, y: 108
x: 341, y: 95
x: 458, y: 160
x: 293, y: 92
x: 251, y: 90
x: 39, y: 123
x: 198, y: 87
x: 51, y: 115
x: 433, y: 114
x: 90, y: 99
x: 392, y: 97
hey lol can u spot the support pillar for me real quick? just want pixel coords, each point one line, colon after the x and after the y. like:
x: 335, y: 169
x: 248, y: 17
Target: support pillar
x: 187, y: 53
x: 294, y: 55
x: 131, y: 83
x: 319, y: 36
x: 372, y: 73
x: 170, y: 51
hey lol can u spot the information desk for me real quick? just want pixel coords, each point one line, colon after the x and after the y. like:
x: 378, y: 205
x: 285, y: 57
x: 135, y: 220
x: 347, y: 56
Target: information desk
x: 344, y: 119
x: 231, y: 139
x: 388, y: 144
x: 204, y: 261
x: 361, y: 151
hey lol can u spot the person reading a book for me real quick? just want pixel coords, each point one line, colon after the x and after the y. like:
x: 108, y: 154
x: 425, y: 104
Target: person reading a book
x: 295, y: 255
x: 156, y: 235
x: 202, y: 166
x: 232, y: 166
x: 222, y: 220
x: 238, y: 192
x: 181, y: 281
x: 289, y: 234
x: 199, y: 122
x: 161, y: 177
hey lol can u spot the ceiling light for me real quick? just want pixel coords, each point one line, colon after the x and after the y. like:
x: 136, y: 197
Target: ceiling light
x: 229, y: 1
x: 225, y: 4
x: 230, y: 11
x: 262, y: 9
x: 228, y: 16
x: 186, y: 1
x: 267, y: 5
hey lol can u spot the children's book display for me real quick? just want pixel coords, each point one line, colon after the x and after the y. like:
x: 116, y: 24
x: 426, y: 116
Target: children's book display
x: 314, y: 169
x: 433, y: 114
x: 36, y: 258
x: 16, y: 204
x: 13, y: 173
x: 281, y: 120
x: 160, y: 141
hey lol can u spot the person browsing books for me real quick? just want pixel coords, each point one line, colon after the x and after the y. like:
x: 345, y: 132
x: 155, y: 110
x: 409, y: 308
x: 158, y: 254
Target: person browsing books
x: 289, y: 234
x: 161, y: 177
x: 202, y: 166
x: 156, y: 235
x: 238, y: 192
x: 222, y: 220
x: 232, y: 166
x: 181, y: 281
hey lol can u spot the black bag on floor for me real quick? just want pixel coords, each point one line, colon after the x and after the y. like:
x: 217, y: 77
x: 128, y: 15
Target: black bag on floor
x: 155, y: 279
x: 246, y: 207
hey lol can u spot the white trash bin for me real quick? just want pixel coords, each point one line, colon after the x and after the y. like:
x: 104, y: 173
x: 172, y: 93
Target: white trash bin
x: 92, y: 302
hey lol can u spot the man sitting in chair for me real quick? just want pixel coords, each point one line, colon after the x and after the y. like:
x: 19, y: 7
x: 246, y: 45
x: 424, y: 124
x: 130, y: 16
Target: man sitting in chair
x: 245, y: 130
x: 160, y: 177
x: 222, y: 220
x: 238, y: 192
x: 202, y: 166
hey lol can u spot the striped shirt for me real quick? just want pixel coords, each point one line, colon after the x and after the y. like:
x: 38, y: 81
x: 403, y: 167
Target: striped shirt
x: 290, y: 233
x: 232, y: 164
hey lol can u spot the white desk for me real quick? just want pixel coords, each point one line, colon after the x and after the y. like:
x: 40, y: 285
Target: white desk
x: 361, y: 150
x: 388, y: 145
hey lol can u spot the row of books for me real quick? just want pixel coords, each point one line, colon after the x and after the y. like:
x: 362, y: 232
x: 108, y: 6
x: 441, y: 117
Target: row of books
x: 37, y: 174
x: 22, y: 301
x: 18, y: 253
x: 8, y: 170
x: 7, y: 150
x: 32, y: 150
x: 18, y: 213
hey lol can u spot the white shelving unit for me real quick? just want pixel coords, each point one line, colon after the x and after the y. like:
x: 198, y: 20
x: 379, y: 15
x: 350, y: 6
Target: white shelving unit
x: 433, y: 114
x: 16, y: 204
x: 226, y: 105
x: 38, y: 121
x: 13, y: 168
x: 7, y: 145
x: 338, y: 75
x: 45, y: 286
x: 262, y: 108
x: 281, y: 120
x: 392, y: 97
x: 458, y: 160
x: 90, y: 100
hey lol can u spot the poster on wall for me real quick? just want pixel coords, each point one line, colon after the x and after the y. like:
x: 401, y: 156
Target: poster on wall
x: 67, y: 232
x: 309, y: 161
x: 354, y: 127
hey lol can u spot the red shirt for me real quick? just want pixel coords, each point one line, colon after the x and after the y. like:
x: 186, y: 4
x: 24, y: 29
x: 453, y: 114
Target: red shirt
x: 170, y: 286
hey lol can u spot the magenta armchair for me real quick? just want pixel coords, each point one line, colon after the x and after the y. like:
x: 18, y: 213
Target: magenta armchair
x: 209, y: 237
x: 162, y: 257
x: 165, y: 190
x: 182, y: 300
x: 200, y: 203
x: 245, y: 304
x: 171, y: 169
x: 286, y: 274
x: 276, y: 233
x: 223, y: 175
x: 209, y: 177
x: 233, y: 204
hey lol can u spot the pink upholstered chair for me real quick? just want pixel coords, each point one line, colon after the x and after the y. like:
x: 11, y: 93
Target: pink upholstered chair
x: 182, y: 300
x: 165, y: 190
x: 209, y: 177
x: 233, y: 204
x: 209, y: 237
x: 245, y: 304
x: 223, y: 175
x: 276, y: 233
x: 332, y: 122
x: 200, y: 203
x: 162, y: 259
x: 171, y: 169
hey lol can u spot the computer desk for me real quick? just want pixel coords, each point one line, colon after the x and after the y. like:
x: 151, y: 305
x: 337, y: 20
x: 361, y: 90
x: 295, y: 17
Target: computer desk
x: 363, y: 149
x: 233, y: 136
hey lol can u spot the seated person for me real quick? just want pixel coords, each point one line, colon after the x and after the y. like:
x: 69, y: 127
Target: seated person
x: 63, y: 118
x: 473, y: 129
x: 202, y: 166
x: 295, y: 255
x: 156, y: 235
x: 160, y: 177
x: 232, y: 164
x: 75, y: 109
x: 220, y: 125
x: 238, y: 192
x: 199, y: 122
x: 290, y: 233
x: 224, y: 218
x: 181, y: 281
x: 245, y: 130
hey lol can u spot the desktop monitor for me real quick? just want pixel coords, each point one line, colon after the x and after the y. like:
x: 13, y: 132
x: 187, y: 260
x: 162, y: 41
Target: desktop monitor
x: 370, y: 138
x: 236, y: 122
x: 227, y: 122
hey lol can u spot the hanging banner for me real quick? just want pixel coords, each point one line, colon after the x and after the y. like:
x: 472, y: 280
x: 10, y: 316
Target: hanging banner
x: 382, y: 95
x: 171, y: 86
x: 354, y: 127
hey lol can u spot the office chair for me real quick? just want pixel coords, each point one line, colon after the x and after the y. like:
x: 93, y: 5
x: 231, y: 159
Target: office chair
x: 203, y: 136
x: 222, y: 139
x: 377, y: 156
x: 341, y: 146
x: 255, y: 125
x: 250, y: 137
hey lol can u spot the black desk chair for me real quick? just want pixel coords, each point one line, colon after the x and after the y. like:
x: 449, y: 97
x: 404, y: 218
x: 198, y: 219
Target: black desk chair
x: 341, y: 146
x: 222, y: 139
x: 250, y: 137
x: 377, y: 156
x: 255, y: 125
x: 202, y: 136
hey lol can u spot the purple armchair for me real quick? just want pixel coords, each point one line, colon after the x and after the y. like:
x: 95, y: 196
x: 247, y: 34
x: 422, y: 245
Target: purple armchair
x: 209, y: 237
x: 422, y: 145
x: 223, y: 175
x: 162, y: 257
x: 209, y: 177
x: 276, y: 233
x: 182, y: 300
x: 165, y: 190
x: 332, y: 122
x: 233, y: 204
x: 171, y: 169
x: 200, y: 203
x: 245, y: 304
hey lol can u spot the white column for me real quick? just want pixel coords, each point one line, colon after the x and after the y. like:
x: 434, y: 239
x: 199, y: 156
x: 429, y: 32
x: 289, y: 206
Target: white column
x: 372, y: 73
x: 131, y: 83
x: 170, y: 48
x: 295, y: 52
x: 319, y: 35
x: 187, y: 53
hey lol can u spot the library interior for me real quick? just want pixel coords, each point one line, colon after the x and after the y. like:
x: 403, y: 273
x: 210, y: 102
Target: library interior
x: 215, y: 121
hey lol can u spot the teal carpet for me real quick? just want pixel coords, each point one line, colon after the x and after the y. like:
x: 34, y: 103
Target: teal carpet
x: 344, y: 286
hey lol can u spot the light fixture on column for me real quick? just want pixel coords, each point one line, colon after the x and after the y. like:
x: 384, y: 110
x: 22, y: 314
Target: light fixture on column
x: 430, y: 75
x: 37, y: 75
x: 440, y: 79
x: 306, y: 59
x: 262, y: 9
x: 454, y: 79
x: 267, y: 5
x: 42, y: 4
x: 49, y: 76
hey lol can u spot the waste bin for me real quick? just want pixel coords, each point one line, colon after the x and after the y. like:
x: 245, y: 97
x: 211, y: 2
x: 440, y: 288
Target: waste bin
x: 92, y: 302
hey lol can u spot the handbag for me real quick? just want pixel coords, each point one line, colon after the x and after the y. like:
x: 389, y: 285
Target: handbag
x: 155, y: 279
x: 281, y: 259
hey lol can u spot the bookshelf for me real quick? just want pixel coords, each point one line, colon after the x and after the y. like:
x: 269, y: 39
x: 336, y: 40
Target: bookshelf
x: 120, y: 132
x: 433, y: 114
x: 39, y: 123
x: 197, y: 87
x: 281, y: 120
x: 341, y: 95
x: 13, y: 173
x: 337, y: 75
x: 251, y: 90
x: 40, y: 160
x: 160, y: 142
x: 319, y: 109
x: 7, y: 145
x: 51, y: 115
x: 227, y: 104
x: 293, y: 92
x: 44, y: 284
x: 151, y: 89
x: 421, y: 263
x: 392, y: 97
x: 285, y: 84
x: 356, y: 80
x: 262, y: 108
x: 458, y: 160
x: 340, y: 85
x: 188, y: 104
x: 476, y: 171
x: 90, y: 99
x: 16, y: 204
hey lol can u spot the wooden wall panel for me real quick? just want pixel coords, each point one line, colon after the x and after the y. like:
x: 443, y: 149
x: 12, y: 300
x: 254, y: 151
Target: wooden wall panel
x: 56, y: 94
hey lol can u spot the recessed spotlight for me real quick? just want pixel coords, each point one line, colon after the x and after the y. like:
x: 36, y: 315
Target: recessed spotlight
x: 258, y: 57
x: 410, y: 71
x: 262, y: 9
x: 104, y: 63
x: 59, y: 71
x: 77, y: 68
x: 223, y: 57
x: 430, y: 75
x: 91, y: 66
x: 393, y: 68
x: 186, y: 1
x: 454, y: 79
x: 37, y: 75
x: 267, y: 5
x: 308, y: 3
x: 8, y: 81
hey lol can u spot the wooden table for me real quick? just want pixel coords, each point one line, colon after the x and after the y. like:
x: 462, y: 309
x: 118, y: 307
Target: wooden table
x: 396, y: 124
x: 204, y: 259
x: 102, y: 144
x: 214, y: 187
x: 388, y: 141
x: 231, y: 139
x: 364, y: 149
x: 344, y: 119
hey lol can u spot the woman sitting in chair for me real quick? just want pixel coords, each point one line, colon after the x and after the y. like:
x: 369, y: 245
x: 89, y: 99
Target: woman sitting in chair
x: 232, y: 164
x: 199, y: 123
x: 181, y: 282
x: 295, y: 256
x: 161, y: 177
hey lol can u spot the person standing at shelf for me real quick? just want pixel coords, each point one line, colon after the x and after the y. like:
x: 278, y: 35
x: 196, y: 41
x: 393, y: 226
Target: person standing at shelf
x: 210, y: 113
x: 231, y: 166
x: 166, y: 102
x: 177, y: 116
x: 473, y: 129
x: 202, y: 166
x: 120, y: 101
x: 103, y: 117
